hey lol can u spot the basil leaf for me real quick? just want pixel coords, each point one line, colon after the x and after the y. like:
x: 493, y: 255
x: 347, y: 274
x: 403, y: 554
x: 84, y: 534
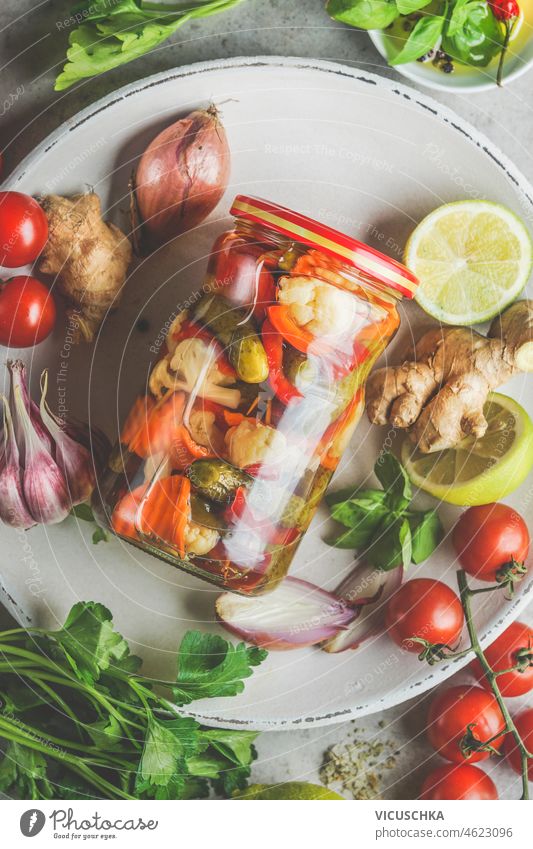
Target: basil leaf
x: 476, y: 38
x: 392, y: 546
x: 423, y: 37
x: 406, y: 7
x: 393, y: 477
x: 426, y: 533
x: 366, y: 504
x: 365, y: 14
x: 458, y: 16
x: 83, y: 511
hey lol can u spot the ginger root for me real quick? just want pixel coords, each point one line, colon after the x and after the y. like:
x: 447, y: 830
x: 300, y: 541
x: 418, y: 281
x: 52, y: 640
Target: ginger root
x: 440, y: 389
x: 88, y: 257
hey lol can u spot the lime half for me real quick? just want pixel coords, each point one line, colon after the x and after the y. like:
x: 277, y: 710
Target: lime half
x: 472, y: 258
x: 478, y: 471
x: 290, y: 790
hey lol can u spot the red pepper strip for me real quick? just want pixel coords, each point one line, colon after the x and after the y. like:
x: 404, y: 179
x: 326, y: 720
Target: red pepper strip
x: 273, y: 345
x: 298, y: 337
x: 192, y: 330
x: 304, y: 341
x: 185, y: 450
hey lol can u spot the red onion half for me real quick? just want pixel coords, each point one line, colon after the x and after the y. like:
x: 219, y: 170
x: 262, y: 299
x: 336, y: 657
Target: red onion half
x: 182, y: 175
x: 295, y: 615
x: 367, y: 589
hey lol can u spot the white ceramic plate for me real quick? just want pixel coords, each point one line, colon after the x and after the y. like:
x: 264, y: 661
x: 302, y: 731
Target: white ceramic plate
x: 517, y: 63
x: 358, y: 152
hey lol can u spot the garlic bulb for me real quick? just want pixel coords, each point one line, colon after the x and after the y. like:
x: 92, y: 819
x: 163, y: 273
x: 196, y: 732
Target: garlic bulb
x: 46, y: 467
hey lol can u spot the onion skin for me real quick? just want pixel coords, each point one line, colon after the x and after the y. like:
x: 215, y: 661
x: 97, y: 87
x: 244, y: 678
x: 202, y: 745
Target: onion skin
x: 367, y: 589
x: 182, y: 175
x: 311, y: 615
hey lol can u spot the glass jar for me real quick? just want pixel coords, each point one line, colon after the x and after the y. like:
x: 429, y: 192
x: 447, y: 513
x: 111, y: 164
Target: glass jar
x: 221, y: 466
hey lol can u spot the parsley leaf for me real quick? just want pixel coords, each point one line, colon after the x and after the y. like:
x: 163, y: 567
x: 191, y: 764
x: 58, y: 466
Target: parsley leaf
x: 209, y: 667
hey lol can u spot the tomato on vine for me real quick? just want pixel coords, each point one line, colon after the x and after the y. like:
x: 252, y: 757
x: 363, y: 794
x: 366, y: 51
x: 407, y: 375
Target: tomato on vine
x: 458, y: 781
x: 524, y: 726
x: 513, y: 648
x: 463, y: 718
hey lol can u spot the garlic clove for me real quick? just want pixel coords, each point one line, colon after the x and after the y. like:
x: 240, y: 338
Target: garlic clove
x: 17, y: 371
x: 44, y: 484
x: 72, y: 458
x: 13, y: 508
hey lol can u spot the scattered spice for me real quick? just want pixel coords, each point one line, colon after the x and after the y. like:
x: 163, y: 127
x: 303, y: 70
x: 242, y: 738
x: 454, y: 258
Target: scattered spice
x: 357, y: 768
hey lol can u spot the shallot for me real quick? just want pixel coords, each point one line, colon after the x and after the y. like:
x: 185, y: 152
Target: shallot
x: 295, y: 615
x: 367, y: 589
x: 181, y: 177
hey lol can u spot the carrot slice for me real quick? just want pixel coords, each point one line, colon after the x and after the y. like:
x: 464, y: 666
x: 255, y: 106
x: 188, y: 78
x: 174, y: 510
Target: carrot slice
x: 135, y: 431
x: 161, y: 511
x: 233, y: 419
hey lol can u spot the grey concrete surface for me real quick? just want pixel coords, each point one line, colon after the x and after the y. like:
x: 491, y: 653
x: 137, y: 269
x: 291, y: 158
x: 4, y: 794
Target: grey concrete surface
x: 32, y: 46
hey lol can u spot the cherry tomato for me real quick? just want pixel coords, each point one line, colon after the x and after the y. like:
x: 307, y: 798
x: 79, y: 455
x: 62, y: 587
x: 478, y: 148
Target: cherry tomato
x: 450, y: 714
x: 426, y: 609
x: 23, y: 229
x: 524, y: 726
x: 458, y: 781
x: 502, y: 654
x: 489, y: 537
x: 27, y: 312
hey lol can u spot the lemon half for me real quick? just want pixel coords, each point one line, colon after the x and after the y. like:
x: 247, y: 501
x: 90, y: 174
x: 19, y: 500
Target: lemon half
x: 478, y: 471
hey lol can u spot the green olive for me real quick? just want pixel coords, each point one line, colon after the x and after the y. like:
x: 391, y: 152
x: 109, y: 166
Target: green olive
x: 216, y: 479
x: 236, y: 332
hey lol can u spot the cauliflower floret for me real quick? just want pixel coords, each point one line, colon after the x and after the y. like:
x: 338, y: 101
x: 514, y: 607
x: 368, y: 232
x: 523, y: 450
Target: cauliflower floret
x: 199, y: 539
x: 191, y: 367
x: 320, y: 308
x: 204, y: 431
x: 251, y: 441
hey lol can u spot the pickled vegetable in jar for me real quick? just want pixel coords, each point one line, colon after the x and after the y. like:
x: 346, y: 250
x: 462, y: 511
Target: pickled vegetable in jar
x: 222, y: 464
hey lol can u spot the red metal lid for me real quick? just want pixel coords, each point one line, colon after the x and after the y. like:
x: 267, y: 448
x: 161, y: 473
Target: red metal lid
x: 374, y: 264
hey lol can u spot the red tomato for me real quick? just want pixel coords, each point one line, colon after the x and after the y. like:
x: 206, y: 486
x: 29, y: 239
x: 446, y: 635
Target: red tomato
x: 458, y: 781
x: 450, y: 714
x: 524, y: 726
x: 244, y: 280
x: 427, y: 609
x: 489, y: 537
x: 27, y: 312
x: 23, y: 229
x: 502, y: 654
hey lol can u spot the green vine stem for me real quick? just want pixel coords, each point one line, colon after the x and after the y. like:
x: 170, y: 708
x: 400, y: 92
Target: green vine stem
x: 466, y: 595
x: 509, y: 25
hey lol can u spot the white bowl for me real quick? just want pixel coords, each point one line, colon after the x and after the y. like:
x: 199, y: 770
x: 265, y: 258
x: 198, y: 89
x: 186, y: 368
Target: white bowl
x: 476, y: 79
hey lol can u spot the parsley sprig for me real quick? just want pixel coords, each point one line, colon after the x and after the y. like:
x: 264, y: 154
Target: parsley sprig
x: 79, y: 720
